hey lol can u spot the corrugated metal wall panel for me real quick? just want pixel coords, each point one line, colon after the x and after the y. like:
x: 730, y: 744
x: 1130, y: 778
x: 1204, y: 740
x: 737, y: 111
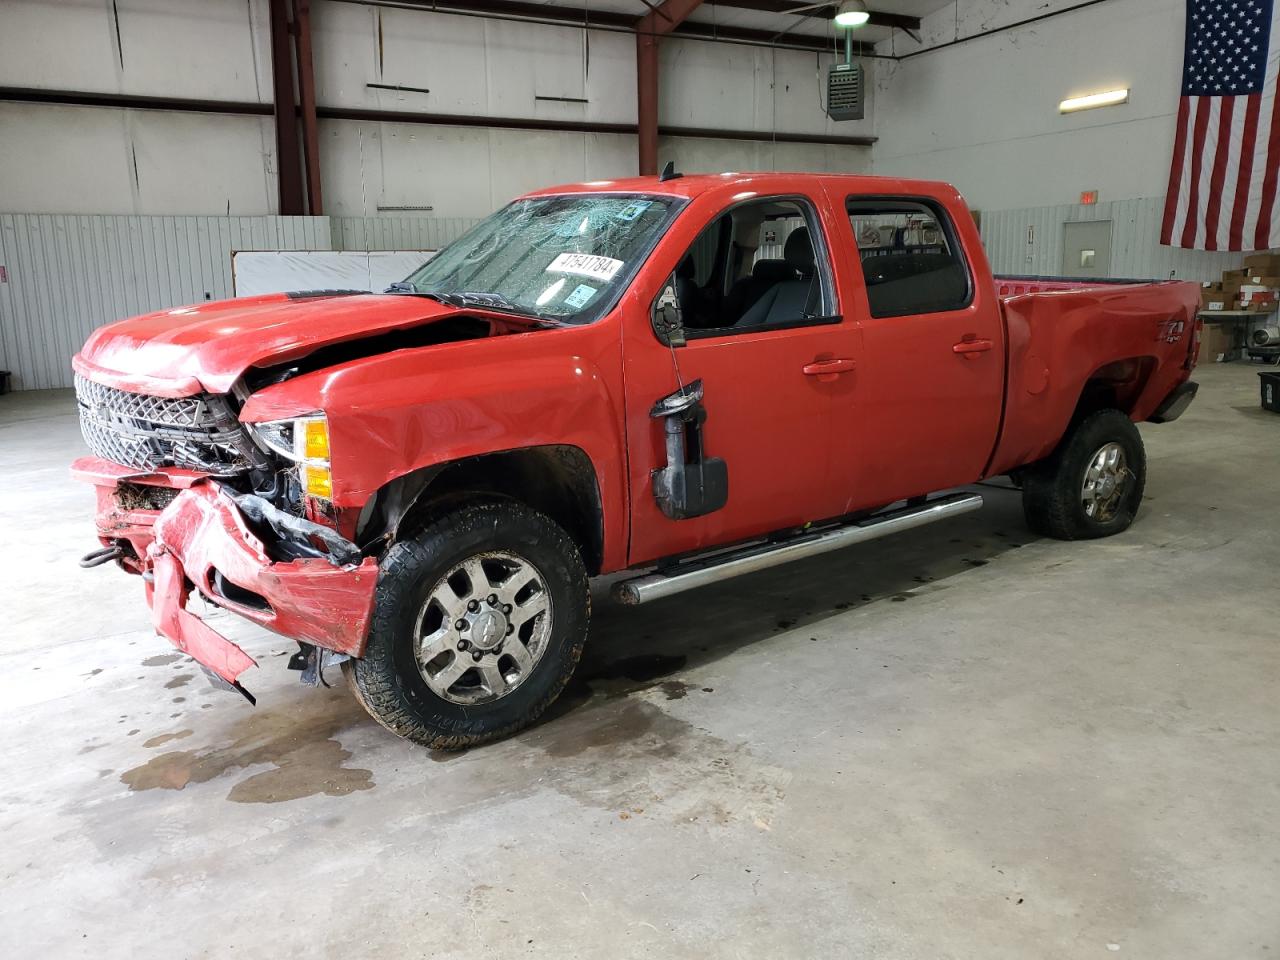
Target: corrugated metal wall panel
x: 68, y: 274
x: 1135, y: 246
x: 397, y: 233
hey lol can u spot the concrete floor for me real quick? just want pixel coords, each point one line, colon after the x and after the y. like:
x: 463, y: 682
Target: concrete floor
x: 966, y: 742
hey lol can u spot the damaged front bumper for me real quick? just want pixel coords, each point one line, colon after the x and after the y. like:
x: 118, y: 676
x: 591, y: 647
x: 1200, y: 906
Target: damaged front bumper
x: 203, y: 541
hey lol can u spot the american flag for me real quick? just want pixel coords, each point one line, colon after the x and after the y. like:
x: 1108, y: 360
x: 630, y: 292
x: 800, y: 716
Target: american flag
x: 1226, y: 152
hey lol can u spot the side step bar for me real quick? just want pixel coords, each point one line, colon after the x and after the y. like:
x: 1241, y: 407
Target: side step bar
x: 698, y: 573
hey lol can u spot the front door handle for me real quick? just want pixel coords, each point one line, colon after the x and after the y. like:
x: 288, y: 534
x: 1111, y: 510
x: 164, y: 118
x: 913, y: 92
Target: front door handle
x: 971, y: 347
x: 822, y: 369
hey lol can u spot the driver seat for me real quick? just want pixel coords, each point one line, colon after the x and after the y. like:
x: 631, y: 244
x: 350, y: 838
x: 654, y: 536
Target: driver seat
x: 791, y: 299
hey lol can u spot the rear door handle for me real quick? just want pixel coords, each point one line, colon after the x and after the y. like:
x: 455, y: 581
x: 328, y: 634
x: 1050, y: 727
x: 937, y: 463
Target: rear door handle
x: 970, y: 348
x: 823, y: 368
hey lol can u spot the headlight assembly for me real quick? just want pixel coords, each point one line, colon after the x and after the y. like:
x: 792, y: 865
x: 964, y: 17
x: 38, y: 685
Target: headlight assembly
x: 304, y: 441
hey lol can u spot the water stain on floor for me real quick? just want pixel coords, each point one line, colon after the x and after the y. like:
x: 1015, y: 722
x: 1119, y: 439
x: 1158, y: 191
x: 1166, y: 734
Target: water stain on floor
x: 166, y: 738
x: 296, y: 741
x: 160, y: 659
x: 181, y: 680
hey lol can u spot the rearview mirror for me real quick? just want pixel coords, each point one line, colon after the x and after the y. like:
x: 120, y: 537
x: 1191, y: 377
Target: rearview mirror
x: 668, y: 324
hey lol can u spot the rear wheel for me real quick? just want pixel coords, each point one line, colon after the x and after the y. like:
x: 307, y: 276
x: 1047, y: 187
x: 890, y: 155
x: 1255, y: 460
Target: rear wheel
x: 1092, y: 484
x: 478, y: 624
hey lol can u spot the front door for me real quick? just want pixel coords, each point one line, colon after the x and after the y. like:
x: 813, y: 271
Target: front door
x: 765, y: 337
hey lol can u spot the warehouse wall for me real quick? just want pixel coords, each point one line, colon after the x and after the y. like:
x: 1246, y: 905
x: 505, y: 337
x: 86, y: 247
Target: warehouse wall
x: 66, y: 275
x: 91, y: 160
x: 1029, y: 241
x: 984, y: 114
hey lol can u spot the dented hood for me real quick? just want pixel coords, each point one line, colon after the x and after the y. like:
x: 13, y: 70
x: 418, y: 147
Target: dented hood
x: 209, y: 346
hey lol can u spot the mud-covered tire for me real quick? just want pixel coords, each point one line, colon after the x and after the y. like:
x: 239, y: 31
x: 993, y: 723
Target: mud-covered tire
x: 387, y: 680
x: 1052, y: 490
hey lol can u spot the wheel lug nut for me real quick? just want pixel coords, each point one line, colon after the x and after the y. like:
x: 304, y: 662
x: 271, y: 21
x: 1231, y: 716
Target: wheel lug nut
x: 493, y: 599
x: 473, y: 605
x: 462, y: 644
x: 477, y: 656
x: 506, y: 608
x: 461, y: 624
x: 510, y: 629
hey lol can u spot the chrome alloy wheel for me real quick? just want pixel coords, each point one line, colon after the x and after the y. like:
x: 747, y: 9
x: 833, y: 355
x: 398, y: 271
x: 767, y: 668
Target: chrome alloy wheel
x: 483, y: 628
x: 1106, y: 482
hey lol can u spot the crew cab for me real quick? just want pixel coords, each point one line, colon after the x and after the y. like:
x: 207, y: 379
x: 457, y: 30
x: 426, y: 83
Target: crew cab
x: 687, y: 377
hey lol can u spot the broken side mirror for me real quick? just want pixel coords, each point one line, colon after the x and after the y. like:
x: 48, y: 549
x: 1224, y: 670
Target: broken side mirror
x: 668, y: 324
x: 691, y: 484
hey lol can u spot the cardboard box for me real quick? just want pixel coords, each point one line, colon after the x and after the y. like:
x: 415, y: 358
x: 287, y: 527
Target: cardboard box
x: 1218, y: 342
x: 1272, y: 282
x: 1214, y: 302
x: 1234, y: 276
x: 1262, y: 264
x: 1214, y: 286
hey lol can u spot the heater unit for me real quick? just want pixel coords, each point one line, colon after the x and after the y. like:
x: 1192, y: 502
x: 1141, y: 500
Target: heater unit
x: 845, y: 92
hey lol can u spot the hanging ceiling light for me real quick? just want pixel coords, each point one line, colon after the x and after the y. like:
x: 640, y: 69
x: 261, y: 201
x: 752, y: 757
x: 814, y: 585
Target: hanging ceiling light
x: 852, y: 13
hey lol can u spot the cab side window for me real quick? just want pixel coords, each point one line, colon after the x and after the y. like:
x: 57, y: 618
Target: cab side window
x: 761, y: 264
x: 910, y: 257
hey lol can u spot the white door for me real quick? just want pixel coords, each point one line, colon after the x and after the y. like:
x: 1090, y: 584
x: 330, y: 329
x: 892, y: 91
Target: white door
x: 1086, y: 249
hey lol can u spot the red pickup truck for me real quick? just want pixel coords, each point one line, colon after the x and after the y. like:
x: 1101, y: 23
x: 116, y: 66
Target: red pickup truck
x: 691, y: 377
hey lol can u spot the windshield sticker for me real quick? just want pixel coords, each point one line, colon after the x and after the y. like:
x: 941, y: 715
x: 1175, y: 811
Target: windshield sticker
x: 633, y: 210
x: 578, y: 299
x: 585, y: 265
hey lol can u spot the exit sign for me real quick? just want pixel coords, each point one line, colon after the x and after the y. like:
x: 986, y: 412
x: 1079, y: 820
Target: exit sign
x: 1089, y: 197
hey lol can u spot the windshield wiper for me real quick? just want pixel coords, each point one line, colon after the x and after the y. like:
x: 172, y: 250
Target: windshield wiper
x: 489, y: 301
x: 401, y: 286
x: 476, y: 299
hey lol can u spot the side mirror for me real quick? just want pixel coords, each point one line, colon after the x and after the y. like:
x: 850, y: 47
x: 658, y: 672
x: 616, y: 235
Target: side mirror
x: 668, y: 324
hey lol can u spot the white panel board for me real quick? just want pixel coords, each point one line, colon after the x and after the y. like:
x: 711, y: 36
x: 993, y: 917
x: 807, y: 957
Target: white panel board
x: 280, y: 271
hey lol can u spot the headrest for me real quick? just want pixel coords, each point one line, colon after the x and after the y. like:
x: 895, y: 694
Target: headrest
x: 773, y: 271
x: 798, y: 251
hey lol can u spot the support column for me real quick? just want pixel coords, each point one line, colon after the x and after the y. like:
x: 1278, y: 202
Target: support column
x: 307, y: 101
x: 288, y: 155
x: 650, y: 28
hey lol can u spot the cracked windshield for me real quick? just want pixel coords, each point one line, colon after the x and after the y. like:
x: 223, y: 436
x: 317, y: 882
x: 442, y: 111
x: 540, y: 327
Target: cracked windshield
x: 561, y: 258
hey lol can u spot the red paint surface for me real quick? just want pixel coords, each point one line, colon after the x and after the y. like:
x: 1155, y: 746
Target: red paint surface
x: 914, y: 404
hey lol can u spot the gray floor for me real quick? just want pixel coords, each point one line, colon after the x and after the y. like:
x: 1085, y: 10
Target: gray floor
x: 966, y: 742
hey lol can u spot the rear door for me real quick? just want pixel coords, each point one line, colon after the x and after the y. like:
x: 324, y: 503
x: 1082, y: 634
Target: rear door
x: 766, y: 337
x: 930, y: 390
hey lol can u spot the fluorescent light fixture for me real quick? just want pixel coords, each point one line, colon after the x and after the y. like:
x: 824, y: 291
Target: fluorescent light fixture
x: 1108, y: 99
x: 852, y: 13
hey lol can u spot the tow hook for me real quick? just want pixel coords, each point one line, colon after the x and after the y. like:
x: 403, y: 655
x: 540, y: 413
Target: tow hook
x: 311, y: 661
x: 101, y: 556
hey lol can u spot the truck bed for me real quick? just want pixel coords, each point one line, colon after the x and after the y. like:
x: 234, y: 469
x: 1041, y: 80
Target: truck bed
x: 1132, y: 339
x: 1010, y: 285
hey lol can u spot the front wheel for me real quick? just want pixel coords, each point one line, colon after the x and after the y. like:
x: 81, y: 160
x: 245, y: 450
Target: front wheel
x: 478, y: 624
x: 1092, y: 484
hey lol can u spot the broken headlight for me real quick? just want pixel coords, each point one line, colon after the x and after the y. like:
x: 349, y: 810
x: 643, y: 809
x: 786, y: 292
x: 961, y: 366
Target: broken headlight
x: 304, y: 441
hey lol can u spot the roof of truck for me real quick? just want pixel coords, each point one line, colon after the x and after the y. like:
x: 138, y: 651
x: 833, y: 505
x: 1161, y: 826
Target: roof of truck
x: 695, y: 184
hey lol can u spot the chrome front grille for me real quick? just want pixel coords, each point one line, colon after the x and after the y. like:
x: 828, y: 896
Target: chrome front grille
x: 137, y: 430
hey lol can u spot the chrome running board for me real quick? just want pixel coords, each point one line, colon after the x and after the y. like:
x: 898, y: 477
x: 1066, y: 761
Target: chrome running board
x: 760, y: 556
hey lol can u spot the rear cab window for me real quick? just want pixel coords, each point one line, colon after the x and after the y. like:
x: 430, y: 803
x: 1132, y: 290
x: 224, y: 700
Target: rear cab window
x: 910, y: 257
